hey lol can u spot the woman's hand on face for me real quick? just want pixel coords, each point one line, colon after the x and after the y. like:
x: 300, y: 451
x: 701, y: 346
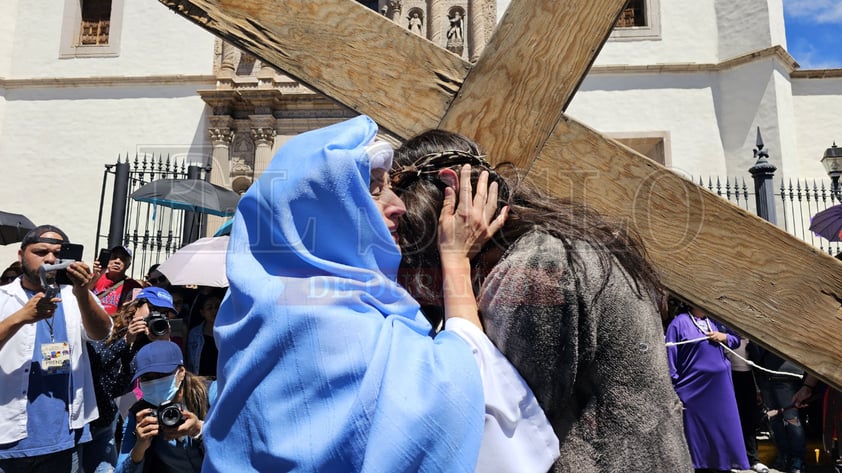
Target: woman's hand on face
x: 466, y: 227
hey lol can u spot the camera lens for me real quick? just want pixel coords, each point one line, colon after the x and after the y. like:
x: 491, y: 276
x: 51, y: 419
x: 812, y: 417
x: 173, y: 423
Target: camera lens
x: 170, y: 415
x: 158, y: 326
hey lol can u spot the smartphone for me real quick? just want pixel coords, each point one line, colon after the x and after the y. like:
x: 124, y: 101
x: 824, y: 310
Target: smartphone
x: 103, y: 258
x: 69, y: 251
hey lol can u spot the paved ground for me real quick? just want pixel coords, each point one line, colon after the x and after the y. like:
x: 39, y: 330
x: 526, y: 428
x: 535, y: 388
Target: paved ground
x: 766, y: 451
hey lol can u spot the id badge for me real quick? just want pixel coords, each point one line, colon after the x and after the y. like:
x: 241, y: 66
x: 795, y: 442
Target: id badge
x: 56, y: 358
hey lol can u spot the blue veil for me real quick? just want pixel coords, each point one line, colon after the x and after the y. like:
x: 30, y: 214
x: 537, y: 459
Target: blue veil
x: 325, y: 362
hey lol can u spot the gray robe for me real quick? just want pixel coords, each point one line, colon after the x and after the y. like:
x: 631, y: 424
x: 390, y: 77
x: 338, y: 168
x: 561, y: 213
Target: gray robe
x: 598, y: 367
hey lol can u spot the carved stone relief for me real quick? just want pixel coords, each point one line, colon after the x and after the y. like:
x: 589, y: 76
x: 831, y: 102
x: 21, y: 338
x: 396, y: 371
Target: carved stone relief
x: 242, y: 155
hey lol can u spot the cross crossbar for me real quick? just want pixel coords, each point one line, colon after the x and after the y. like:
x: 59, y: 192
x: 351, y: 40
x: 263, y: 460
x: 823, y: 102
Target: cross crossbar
x: 781, y: 292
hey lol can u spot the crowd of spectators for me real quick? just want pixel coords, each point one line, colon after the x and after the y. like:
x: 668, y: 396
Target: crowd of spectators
x: 87, y: 340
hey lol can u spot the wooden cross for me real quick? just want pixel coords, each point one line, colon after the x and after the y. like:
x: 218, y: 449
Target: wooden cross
x: 781, y: 292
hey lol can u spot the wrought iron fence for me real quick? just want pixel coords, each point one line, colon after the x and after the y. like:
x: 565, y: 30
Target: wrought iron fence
x: 796, y: 201
x: 152, y: 232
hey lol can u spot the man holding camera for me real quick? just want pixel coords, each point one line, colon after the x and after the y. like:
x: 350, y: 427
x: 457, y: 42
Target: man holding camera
x: 46, y: 388
x: 114, y: 287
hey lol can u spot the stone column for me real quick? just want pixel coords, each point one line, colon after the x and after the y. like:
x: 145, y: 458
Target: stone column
x: 476, y: 34
x: 220, y: 136
x: 263, y: 134
x: 436, y: 18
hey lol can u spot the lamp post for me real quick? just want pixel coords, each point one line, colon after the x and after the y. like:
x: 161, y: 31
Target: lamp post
x: 832, y: 162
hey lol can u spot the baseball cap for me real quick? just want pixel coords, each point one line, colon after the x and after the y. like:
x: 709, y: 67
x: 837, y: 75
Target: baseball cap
x: 34, y: 236
x: 156, y: 296
x: 122, y: 249
x: 160, y: 356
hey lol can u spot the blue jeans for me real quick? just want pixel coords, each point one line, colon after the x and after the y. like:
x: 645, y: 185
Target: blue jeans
x: 787, y: 429
x: 100, y: 454
x: 65, y: 461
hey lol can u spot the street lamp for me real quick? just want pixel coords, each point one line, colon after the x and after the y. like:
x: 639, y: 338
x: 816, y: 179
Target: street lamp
x: 832, y: 162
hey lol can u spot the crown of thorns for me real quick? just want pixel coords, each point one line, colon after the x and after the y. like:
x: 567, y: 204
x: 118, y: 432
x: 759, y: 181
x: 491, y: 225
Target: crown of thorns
x: 430, y: 164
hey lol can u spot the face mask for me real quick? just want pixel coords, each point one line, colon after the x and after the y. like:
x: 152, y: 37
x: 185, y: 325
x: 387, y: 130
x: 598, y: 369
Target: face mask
x: 159, y: 390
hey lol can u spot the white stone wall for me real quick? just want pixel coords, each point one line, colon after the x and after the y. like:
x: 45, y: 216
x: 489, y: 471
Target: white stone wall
x: 681, y: 104
x: 817, y: 105
x: 154, y: 41
x: 55, y: 143
x: 681, y: 41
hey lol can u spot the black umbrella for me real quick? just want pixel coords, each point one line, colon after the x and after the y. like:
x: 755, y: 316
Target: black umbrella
x: 189, y: 194
x: 13, y: 227
x: 828, y: 223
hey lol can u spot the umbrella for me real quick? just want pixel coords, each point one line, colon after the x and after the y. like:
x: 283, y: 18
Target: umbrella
x: 828, y: 223
x: 201, y: 263
x: 225, y: 228
x: 13, y: 227
x: 189, y: 194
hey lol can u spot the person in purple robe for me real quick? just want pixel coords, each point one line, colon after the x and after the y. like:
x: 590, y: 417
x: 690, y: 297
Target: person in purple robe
x: 701, y: 375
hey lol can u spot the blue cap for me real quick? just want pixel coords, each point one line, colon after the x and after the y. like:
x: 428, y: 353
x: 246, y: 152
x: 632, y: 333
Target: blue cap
x: 157, y: 297
x: 160, y: 356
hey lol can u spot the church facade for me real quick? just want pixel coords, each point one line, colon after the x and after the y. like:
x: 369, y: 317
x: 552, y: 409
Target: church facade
x: 83, y: 82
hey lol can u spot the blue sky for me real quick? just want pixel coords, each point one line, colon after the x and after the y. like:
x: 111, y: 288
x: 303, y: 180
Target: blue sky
x: 814, y: 32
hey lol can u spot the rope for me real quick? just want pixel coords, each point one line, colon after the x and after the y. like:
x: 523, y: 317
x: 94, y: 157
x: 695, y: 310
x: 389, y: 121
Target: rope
x: 749, y: 362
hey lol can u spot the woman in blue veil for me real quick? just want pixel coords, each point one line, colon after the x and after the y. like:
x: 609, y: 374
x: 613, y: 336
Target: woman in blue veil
x: 325, y: 362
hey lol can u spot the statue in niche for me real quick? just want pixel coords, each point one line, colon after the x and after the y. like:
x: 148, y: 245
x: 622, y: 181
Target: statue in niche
x: 455, y: 38
x: 416, y: 23
x: 229, y: 57
x: 242, y: 155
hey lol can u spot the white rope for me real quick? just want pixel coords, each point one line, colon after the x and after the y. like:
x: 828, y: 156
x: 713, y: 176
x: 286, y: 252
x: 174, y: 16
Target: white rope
x: 749, y: 362
x: 675, y: 344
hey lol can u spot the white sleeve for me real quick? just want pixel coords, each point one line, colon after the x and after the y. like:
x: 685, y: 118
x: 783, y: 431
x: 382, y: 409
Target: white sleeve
x: 517, y: 436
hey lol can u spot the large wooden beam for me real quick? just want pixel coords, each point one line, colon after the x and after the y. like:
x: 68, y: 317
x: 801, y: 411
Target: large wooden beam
x: 528, y: 73
x: 783, y: 293
x: 345, y: 51
x: 746, y: 271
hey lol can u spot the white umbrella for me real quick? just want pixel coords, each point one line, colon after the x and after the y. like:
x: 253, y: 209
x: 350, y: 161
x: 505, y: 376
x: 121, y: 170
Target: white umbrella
x: 201, y: 263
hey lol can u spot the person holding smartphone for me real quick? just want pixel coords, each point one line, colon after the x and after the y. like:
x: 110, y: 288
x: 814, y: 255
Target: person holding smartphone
x: 46, y: 388
x: 114, y: 288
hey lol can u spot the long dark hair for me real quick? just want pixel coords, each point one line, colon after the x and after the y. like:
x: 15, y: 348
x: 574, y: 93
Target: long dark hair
x: 414, y: 177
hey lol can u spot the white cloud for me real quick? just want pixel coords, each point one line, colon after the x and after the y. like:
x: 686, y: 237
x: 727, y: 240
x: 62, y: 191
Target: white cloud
x: 819, y: 11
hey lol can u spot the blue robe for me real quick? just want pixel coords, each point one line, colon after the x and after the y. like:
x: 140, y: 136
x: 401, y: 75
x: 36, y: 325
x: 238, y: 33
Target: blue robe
x: 325, y: 362
x: 701, y: 375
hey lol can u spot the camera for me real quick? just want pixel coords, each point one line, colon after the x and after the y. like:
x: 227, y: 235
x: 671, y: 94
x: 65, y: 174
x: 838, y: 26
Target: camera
x: 157, y: 323
x: 169, y: 414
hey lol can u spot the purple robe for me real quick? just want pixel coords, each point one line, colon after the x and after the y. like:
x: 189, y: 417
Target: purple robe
x: 702, y: 378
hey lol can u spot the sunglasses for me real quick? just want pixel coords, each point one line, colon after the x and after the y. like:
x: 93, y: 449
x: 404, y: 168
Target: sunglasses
x: 157, y: 280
